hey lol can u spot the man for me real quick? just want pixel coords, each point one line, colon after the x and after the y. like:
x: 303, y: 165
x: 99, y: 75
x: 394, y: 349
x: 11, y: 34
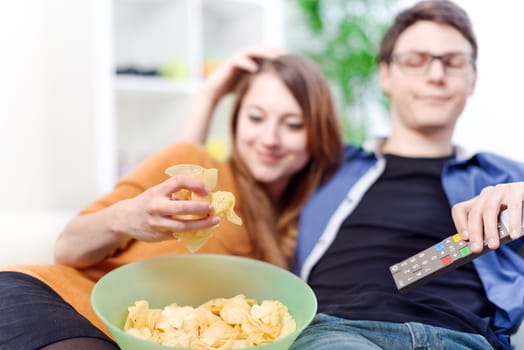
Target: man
x: 394, y: 197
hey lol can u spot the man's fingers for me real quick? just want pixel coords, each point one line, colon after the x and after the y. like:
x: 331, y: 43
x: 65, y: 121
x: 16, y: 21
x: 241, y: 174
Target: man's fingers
x: 459, y: 212
x: 475, y: 230
x: 516, y: 213
x: 477, y: 219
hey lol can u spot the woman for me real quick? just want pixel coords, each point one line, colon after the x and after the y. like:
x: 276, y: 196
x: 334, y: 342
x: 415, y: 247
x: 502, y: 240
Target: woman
x: 285, y: 141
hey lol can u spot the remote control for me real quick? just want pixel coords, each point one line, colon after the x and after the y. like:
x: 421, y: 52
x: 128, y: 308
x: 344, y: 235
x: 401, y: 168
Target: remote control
x: 442, y: 257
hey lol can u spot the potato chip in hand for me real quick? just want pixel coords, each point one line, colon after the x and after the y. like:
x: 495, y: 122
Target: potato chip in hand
x: 222, y: 201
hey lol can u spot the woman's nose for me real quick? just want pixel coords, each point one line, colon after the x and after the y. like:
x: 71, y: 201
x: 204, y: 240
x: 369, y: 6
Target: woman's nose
x: 270, y: 134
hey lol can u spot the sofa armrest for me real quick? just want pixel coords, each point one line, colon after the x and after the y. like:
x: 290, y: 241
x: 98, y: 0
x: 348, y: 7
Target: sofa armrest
x: 28, y: 238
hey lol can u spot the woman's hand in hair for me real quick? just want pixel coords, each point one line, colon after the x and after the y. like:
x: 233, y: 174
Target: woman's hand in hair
x: 224, y: 78
x: 219, y: 83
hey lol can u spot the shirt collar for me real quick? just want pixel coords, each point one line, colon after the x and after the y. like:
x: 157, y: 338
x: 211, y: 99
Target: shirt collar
x: 374, y: 145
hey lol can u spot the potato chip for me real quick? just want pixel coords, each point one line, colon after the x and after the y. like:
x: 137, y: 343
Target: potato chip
x: 194, y: 239
x: 208, y: 176
x: 222, y: 323
x: 141, y: 316
x: 222, y: 201
x: 218, y: 333
x: 235, y: 310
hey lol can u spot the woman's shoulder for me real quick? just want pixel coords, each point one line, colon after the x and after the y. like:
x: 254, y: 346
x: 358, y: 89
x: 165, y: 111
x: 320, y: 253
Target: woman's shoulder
x: 176, y: 153
x: 190, y: 153
x: 184, y: 153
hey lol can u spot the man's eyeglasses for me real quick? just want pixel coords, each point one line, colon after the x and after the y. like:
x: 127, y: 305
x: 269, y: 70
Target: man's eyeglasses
x: 418, y: 63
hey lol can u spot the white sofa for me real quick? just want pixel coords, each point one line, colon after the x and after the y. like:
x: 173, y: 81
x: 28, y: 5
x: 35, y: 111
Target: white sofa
x: 28, y: 238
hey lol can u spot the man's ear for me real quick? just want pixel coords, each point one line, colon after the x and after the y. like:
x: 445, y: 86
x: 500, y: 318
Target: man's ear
x: 385, y: 79
x: 473, y: 82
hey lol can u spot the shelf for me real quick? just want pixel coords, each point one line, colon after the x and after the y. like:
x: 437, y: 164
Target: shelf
x: 178, y: 42
x: 146, y: 84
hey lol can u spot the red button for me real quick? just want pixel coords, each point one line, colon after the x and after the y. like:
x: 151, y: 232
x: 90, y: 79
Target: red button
x: 446, y: 260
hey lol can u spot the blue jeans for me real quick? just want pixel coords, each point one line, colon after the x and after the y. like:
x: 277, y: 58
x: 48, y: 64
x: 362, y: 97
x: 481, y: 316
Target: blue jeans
x: 334, y: 333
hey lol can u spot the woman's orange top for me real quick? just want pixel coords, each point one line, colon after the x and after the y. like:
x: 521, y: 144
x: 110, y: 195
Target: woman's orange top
x: 75, y: 285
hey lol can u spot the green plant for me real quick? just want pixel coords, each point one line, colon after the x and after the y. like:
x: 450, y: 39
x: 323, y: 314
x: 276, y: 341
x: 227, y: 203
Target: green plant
x: 343, y: 39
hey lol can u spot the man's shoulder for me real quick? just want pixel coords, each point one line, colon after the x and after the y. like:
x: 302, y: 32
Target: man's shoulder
x: 354, y: 153
x: 492, y: 163
x: 489, y: 157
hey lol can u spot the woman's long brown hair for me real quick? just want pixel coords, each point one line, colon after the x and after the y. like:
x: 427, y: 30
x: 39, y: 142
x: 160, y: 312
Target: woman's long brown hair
x: 273, y: 226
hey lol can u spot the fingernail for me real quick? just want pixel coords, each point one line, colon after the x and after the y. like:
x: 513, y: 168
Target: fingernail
x: 514, y: 234
x: 215, y: 220
x: 464, y: 234
x: 475, y: 245
x: 491, y: 243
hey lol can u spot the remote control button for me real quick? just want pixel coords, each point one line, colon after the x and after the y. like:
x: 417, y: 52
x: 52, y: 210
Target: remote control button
x: 465, y: 251
x: 415, y: 267
x: 446, y: 260
x: 457, y: 237
x: 439, y: 246
x: 395, y: 268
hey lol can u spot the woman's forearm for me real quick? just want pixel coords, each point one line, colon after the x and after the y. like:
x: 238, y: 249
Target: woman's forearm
x: 88, y: 238
x: 196, y: 125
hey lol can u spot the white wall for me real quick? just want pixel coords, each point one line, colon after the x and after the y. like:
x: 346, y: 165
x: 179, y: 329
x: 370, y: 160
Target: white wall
x: 23, y: 150
x: 494, y: 118
x: 49, y: 104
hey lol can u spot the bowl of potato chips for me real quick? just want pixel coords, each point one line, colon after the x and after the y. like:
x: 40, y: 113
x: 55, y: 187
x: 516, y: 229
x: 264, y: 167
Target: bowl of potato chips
x: 203, y: 301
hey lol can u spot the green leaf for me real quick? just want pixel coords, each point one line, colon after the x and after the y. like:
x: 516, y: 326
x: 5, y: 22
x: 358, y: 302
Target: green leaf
x: 348, y: 35
x: 311, y: 12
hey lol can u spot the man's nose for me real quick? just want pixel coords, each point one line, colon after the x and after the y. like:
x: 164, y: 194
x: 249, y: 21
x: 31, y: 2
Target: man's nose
x: 436, y: 69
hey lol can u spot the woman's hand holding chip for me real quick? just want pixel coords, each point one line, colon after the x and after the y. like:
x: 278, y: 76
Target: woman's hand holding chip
x: 152, y: 216
x: 158, y: 212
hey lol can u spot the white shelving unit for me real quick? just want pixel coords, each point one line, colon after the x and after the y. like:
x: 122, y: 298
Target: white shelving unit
x: 180, y: 39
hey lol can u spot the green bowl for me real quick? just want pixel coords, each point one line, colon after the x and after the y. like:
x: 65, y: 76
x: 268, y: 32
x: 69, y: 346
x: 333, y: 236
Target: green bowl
x: 192, y: 279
